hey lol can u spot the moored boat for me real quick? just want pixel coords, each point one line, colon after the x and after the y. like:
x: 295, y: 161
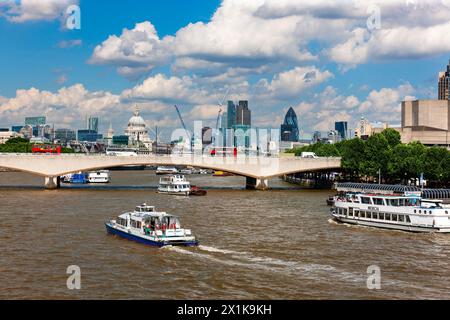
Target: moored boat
x: 174, y: 184
x: 148, y: 226
x: 196, y: 191
x: 404, y: 212
x: 166, y: 170
x: 101, y: 176
x: 219, y: 173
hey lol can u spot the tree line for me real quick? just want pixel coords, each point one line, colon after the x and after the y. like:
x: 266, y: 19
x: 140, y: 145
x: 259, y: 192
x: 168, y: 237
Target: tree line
x: 363, y: 160
x: 21, y: 145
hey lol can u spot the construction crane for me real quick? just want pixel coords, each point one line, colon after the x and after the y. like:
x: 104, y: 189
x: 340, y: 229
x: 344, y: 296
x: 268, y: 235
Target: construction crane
x: 184, y: 126
x: 219, y: 114
x: 220, y: 108
x: 218, y: 118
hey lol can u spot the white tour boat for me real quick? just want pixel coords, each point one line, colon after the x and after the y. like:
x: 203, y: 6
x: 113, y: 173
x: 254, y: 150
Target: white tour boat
x: 121, y: 151
x: 166, y: 170
x: 101, y: 176
x: 175, y: 184
x: 146, y: 225
x: 407, y: 212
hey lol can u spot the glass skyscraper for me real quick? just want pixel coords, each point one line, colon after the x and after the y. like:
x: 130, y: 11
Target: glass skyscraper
x: 444, y: 84
x: 342, y: 128
x: 289, y: 129
x: 231, y: 114
x: 35, y: 121
x: 93, y: 124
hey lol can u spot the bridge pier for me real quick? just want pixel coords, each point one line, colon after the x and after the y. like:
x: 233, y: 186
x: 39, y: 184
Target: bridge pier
x: 52, y: 183
x: 256, y: 184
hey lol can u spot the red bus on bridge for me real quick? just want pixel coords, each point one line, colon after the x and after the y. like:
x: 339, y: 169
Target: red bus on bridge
x: 46, y: 148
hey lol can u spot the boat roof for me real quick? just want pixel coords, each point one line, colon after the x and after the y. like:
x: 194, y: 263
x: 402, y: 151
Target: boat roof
x: 145, y: 211
x: 391, y: 196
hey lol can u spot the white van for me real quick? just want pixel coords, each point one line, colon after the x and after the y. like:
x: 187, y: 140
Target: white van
x: 308, y: 155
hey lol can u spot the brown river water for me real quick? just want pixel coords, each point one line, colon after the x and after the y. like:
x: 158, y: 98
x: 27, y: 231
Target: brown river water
x: 278, y: 244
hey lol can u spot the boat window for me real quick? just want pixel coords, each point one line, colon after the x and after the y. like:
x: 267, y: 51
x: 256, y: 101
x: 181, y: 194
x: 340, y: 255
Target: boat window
x: 374, y: 215
x: 356, y: 213
x: 401, y: 202
x: 401, y: 218
x: 420, y: 211
x: 388, y: 216
x: 394, y: 217
x: 415, y: 211
x: 446, y: 212
x: 381, y: 215
x: 378, y: 201
x: 362, y: 214
x: 408, y: 219
x: 394, y: 202
x: 369, y: 215
x: 365, y: 200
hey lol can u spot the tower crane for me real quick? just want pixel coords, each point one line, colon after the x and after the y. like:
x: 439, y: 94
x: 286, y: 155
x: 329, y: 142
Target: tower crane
x: 184, y: 126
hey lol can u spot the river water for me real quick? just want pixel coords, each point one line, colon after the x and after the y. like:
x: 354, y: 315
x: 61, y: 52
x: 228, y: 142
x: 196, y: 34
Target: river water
x: 278, y: 244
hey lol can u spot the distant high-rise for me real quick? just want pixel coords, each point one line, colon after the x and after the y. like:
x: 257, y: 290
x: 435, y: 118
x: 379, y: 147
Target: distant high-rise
x: 93, y: 124
x: 231, y: 114
x: 443, y: 84
x: 289, y: 129
x: 35, y: 121
x: 65, y: 135
x: 243, y: 114
x: 342, y: 128
x: 206, y: 135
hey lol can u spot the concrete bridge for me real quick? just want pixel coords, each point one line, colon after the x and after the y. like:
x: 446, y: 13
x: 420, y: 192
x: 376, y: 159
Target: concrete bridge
x: 257, y: 169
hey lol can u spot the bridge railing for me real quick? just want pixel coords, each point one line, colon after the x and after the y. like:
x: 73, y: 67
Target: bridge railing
x: 153, y: 155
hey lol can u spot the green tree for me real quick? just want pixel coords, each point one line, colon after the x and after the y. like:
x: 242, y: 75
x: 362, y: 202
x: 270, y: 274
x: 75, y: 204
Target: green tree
x: 376, y: 155
x: 392, y: 136
x: 435, y: 164
x: 352, y: 153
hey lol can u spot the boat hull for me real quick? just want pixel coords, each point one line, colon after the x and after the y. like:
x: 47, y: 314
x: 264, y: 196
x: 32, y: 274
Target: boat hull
x: 391, y: 226
x: 138, y: 239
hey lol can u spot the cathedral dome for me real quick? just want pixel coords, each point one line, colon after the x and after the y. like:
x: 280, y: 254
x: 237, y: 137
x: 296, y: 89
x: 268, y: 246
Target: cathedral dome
x: 136, y: 121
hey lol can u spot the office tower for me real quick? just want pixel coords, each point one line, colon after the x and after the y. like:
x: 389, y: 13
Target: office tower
x: 231, y: 114
x: 443, y: 84
x: 88, y: 135
x: 342, y: 128
x: 35, y: 121
x: 65, y: 135
x: 93, y: 124
x: 243, y: 113
x: 206, y: 135
x: 289, y: 129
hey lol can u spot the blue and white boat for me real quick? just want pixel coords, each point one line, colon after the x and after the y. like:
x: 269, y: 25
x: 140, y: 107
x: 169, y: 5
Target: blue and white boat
x: 146, y: 225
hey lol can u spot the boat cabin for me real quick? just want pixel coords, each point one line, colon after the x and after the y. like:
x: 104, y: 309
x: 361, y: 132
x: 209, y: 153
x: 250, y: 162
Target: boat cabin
x: 147, y: 220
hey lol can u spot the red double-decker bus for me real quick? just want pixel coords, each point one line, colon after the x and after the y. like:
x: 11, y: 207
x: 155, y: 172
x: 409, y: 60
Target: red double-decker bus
x: 46, y: 148
x: 224, y: 151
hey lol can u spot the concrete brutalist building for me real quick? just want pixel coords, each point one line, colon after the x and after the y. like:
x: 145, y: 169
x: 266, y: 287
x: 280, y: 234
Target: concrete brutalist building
x: 427, y: 121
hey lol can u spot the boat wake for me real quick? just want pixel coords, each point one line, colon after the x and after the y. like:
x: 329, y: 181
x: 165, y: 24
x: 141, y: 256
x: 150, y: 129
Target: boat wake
x: 268, y: 264
x: 217, y: 250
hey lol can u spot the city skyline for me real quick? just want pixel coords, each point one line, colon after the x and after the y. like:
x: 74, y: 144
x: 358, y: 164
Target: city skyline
x: 148, y: 58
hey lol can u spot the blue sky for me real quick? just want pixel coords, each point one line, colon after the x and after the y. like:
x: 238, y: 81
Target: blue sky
x: 323, y: 59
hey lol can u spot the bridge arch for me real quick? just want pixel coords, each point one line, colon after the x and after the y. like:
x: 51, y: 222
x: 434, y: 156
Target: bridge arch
x: 255, y: 169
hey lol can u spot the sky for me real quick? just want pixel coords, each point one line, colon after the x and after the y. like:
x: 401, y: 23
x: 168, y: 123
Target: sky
x: 329, y: 60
